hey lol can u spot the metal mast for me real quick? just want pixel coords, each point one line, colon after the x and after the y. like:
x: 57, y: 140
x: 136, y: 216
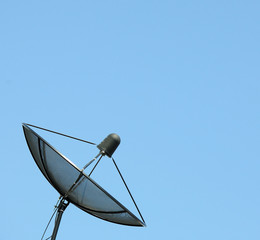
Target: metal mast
x: 61, y: 208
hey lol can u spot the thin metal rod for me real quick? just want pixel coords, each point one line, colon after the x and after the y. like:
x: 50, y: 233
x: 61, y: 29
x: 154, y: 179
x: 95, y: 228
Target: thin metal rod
x: 80, y: 179
x: 75, y: 184
x: 96, y: 164
x: 128, y: 189
x: 49, y: 223
x: 91, y: 161
x: 60, y: 134
x: 54, y: 211
x: 61, y: 208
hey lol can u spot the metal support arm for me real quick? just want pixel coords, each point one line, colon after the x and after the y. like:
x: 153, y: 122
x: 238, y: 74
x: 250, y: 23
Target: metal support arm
x: 61, y: 208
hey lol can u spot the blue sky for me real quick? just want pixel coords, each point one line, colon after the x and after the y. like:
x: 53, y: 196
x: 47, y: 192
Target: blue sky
x: 177, y: 80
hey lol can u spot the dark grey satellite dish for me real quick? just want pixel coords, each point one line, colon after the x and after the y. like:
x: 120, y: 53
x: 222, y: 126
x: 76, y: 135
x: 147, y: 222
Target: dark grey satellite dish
x: 74, y: 186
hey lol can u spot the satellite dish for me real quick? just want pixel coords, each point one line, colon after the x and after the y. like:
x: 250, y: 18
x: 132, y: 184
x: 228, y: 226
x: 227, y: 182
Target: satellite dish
x: 74, y: 186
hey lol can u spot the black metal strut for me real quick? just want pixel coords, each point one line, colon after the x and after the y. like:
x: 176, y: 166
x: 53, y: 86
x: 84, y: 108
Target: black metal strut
x: 61, y: 208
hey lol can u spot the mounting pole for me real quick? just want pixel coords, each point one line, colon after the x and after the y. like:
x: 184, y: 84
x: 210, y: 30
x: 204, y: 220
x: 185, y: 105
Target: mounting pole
x: 61, y: 208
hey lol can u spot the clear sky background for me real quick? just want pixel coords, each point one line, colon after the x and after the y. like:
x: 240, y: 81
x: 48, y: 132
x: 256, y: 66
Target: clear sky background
x: 179, y: 81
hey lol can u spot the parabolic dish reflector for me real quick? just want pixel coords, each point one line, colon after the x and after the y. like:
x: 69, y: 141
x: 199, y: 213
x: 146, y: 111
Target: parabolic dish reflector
x: 87, y: 194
